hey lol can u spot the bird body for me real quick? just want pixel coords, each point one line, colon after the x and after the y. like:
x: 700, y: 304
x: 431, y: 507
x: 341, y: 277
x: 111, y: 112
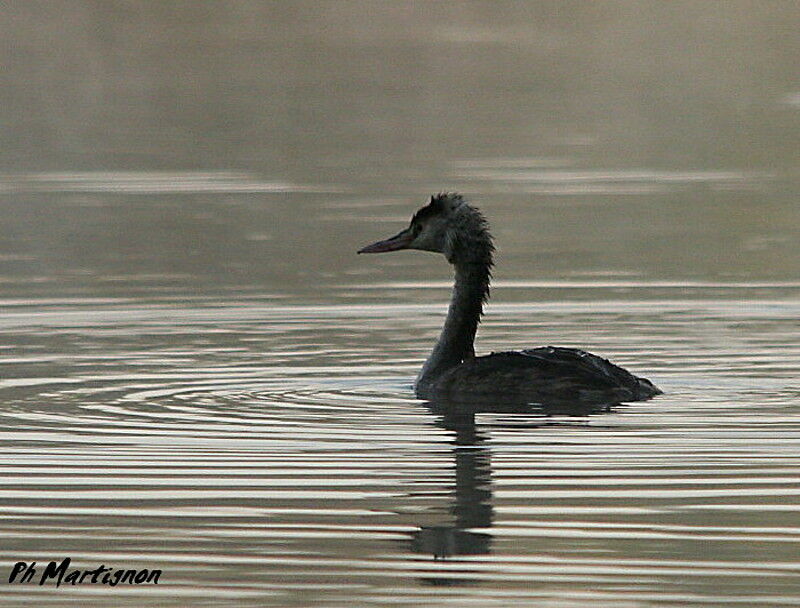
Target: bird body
x: 450, y: 226
x: 545, y: 374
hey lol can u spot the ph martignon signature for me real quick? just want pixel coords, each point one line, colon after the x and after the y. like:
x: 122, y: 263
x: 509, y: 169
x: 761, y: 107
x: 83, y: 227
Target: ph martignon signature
x: 60, y: 572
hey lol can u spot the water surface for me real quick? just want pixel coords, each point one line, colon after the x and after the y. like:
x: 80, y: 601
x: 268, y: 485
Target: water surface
x: 200, y: 375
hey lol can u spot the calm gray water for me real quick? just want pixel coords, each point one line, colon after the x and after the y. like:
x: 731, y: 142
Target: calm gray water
x: 200, y: 375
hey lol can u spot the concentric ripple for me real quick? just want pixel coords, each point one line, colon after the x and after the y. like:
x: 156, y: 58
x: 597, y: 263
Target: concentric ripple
x: 267, y: 453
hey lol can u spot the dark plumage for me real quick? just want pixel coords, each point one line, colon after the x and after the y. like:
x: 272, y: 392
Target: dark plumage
x: 450, y: 226
x: 546, y: 374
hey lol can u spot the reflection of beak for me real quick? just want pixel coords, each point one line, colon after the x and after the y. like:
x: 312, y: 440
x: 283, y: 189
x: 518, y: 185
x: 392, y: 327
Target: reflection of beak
x: 398, y: 241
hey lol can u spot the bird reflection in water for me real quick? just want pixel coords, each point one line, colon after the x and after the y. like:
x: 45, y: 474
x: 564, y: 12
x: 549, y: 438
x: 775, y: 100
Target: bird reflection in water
x: 472, y: 506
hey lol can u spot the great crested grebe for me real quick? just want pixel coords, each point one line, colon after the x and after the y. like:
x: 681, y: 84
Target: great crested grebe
x: 448, y: 225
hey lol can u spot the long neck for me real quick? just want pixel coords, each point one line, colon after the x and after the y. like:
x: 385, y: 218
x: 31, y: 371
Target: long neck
x: 458, y: 335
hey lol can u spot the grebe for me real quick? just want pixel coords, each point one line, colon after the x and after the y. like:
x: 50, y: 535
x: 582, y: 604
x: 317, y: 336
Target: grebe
x: 448, y: 225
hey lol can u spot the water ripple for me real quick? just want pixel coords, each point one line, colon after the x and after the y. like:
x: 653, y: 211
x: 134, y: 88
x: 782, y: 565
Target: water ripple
x: 226, y: 459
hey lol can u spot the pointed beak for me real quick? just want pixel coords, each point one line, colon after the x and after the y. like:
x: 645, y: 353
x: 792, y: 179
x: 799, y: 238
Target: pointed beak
x: 399, y: 241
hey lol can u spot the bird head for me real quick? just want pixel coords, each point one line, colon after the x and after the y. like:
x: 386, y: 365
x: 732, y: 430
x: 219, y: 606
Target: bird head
x: 446, y: 225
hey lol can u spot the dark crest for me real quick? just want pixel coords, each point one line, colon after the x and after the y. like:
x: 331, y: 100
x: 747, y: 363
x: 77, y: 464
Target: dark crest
x: 439, y: 203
